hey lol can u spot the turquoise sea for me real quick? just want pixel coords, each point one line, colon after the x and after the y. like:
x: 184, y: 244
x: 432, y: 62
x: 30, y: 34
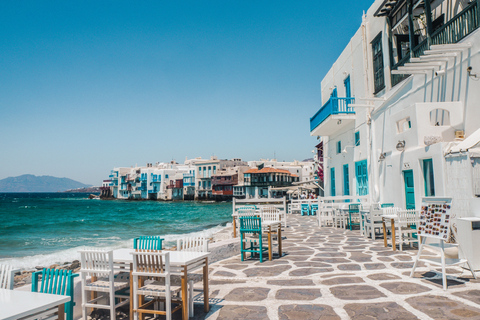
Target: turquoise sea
x: 39, y: 229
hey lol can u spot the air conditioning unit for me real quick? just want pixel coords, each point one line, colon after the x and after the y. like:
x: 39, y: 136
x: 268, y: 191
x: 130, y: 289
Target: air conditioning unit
x: 460, y: 134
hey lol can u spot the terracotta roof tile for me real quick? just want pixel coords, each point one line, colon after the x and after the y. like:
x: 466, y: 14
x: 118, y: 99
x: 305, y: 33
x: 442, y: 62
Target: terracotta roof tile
x: 268, y: 170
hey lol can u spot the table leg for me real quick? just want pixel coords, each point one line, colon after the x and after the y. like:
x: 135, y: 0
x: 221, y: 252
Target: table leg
x: 393, y: 235
x: 184, y: 294
x: 269, y: 243
x: 234, y: 228
x: 384, y: 233
x: 141, y: 299
x: 61, y: 312
x: 131, y: 290
x: 206, y: 301
x: 279, y: 235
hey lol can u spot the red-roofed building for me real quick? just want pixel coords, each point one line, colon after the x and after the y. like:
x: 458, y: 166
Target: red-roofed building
x: 258, y: 180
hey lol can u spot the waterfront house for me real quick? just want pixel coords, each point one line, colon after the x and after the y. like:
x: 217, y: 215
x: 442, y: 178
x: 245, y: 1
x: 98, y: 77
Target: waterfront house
x: 258, y: 181
x: 400, y: 110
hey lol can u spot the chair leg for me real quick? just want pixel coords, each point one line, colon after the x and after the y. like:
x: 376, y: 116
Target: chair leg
x: 112, y: 305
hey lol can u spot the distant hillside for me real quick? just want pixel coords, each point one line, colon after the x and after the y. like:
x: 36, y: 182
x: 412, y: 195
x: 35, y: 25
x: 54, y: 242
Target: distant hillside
x: 31, y: 183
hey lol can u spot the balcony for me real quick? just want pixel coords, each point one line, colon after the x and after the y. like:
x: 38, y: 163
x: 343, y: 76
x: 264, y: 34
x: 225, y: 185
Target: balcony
x: 332, y: 117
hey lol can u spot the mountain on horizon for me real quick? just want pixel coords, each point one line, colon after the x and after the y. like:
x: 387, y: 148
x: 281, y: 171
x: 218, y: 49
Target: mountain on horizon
x: 32, y: 183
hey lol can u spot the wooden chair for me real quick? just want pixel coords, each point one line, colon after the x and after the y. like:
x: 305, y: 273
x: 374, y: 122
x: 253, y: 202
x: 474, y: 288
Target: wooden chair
x: 59, y: 282
x: 406, y: 227
x: 353, y: 209
x: 305, y: 209
x: 269, y: 214
x: 148, y: 243
x: 196, y: 244
x: 314, y: 209
x: 250, y: 226
x: 98, y: 264
x: 154, y: 266
x: 372, y: 221
x: 7, y: 276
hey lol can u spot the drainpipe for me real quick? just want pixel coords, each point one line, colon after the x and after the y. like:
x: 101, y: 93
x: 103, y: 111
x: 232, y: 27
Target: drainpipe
x: 411, y: 31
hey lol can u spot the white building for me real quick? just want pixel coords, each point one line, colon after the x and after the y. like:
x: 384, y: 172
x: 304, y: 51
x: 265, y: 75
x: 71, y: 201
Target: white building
x: 404, y: 92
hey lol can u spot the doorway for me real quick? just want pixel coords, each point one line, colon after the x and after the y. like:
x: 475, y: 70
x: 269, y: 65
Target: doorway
x: 409, y: 189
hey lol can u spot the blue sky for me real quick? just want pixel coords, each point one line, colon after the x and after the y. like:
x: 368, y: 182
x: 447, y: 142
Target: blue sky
x: 91, y: 85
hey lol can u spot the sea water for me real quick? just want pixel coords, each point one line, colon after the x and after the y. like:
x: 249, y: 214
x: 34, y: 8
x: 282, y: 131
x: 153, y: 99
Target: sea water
x: 40, y: 229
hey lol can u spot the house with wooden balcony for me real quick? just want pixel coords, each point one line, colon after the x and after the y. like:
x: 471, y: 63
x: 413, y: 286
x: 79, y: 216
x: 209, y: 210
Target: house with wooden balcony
x: 400, y: 106
x: 258, y: 181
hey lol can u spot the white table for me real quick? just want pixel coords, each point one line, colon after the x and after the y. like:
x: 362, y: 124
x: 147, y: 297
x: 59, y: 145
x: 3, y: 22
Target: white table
x: 181, y: 262
x: 15, y: 304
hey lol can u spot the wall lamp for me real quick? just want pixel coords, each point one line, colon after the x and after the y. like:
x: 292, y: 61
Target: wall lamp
x: 470, y: 74
x: 345, y: 149
x: 400, y: 145
x: 382, y: 156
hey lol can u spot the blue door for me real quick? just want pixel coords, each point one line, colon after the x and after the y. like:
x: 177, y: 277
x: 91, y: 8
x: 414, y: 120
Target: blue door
x: 348, y: 92
x: 346, y: 181
x: 332, y: 181
x: 361, y: 175
x: 409, y: 189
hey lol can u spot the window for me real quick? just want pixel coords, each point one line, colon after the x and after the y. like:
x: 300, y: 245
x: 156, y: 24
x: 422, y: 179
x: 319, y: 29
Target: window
x: 339, y: 147
x: 346, y: 181
x: 214, y: 169
x: 378, y: 76
x: 332, y: 182
x: 428, y: 178
x: 404, y: 125
x: 440, y: 117
x: 357, y: 138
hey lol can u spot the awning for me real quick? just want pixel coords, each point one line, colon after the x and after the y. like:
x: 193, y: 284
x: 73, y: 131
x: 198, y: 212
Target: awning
x: 470, y: 144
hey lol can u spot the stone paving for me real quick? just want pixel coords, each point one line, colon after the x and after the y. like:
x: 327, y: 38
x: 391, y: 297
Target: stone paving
x: 330, y: 273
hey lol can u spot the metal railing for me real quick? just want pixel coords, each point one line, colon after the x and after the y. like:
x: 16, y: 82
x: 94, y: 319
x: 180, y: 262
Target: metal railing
x: 334, y: 105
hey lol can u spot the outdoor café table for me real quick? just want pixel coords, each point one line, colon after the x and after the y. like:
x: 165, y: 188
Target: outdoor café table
x: 273, y: 227
x: 392, y: 218
x: 184, y: 262
x: 16, y: 304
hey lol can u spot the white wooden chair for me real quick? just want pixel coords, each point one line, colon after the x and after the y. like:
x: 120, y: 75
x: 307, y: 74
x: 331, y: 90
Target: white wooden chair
x: 7, y: 276
x: 269, y: 214
x: 155, y: 266
x: 196, y: 244
x: 406, y: 226
x: 325, y: 215
x: 98, y: 264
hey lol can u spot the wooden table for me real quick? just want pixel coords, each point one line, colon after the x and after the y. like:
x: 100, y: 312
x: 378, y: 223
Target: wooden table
x: 181, y: 263
x: 392, y: 218
x: 273, y: 227
x: 16, y: 304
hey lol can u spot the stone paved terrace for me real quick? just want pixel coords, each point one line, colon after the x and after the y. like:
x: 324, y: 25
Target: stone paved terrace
x: 329, y: 273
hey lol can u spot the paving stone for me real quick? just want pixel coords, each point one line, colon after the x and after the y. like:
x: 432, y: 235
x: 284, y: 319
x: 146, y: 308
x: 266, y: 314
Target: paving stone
x: 387, y: 253
x: 248, y: 294
x: 360, y: 257
x: 296, y: 258
x: 404, y: 287
x: 266, y: 271
x: 350, y: 248
x: 298, y: 294
x: 356, y: 292
x: 439, y: 307
x: 374, y: 266
x: 404, y: 258
x: 383, y: 276
x: 342, y: 280
x: 378, y: 311
x: 295, y: 282
x: 328, y: 249
x: 331, y: 254
x: 306, y: 312
x: 385, y: 259
x: 214, y: 282
x: 224, y: 274
x: 301, y: 272
x: 420, y: 274
x: 275, y: 262
x: 349, y: 267
x: 230, y: 312
x: 326, y: 276
x: 438, y: 282
x: 402, y: 265
x: 235, y: 266
x: 300, y: 252
x: 312, y: 264
x: 331, y: 260
x: 472, y: 295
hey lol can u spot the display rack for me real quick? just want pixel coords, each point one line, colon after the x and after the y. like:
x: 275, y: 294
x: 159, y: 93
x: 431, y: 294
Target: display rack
x: 435, y: 220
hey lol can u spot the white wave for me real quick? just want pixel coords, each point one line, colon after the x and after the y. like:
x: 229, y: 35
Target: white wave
x: 69, y: 255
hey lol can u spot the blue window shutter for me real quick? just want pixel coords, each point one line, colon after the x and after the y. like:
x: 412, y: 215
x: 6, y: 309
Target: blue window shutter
x: 332, y: 181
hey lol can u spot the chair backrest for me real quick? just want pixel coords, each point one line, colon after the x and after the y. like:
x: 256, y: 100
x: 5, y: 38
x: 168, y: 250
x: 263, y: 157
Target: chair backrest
x: 387, y: 205
x: 148, y: 243
x: 96, y: 262
x: 390, y: 210
x: 197, y: 244
x: 354, y: 207
x: 247, y: 211
x: 314, y: 206
x: 305, y: 206
x: 250, y: 225
x: 151, y: 263
x: 7, y: 275
x: 53, y: 281
x: 270, y: 214
x: 408, y: 216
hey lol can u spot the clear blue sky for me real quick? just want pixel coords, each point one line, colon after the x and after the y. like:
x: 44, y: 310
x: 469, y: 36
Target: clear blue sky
x: 91, y: 85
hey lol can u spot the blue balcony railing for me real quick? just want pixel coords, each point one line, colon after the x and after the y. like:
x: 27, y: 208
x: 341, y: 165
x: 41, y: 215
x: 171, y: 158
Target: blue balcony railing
x: 334, y: 105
